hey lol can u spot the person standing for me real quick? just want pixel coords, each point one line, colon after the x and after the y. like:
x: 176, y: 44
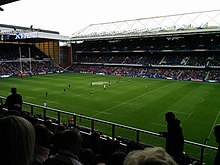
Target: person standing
x: 14, y: 101
x: 174, y: 137
x: 46, y: 94
x: 217, y: 139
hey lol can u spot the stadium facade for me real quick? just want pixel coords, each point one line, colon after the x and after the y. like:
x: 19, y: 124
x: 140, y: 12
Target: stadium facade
x: 45, y: 41
x: 182, y: 46
x: 165, y: 46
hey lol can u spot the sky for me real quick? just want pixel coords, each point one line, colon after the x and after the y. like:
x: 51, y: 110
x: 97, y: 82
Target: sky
x: 70, y: 16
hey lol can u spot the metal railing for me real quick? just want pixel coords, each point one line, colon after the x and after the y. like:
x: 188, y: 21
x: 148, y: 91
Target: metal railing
x: 112, y: 133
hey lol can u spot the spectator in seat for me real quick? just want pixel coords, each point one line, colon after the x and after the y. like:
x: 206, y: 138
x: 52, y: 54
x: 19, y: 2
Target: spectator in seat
x: 174, y: 137
x: 117, y: 158
x: 56, y: 139
x: 14, y: 101
x: 217, y: 138
x: 42, y: 144
x: 149, y: 156
x: 17, y: 140
x: 69, y: 148
x: 94, y: 143
x: 86, y: 156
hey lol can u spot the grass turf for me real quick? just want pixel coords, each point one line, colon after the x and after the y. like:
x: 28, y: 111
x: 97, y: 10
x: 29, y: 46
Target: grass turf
x: 135, y: 102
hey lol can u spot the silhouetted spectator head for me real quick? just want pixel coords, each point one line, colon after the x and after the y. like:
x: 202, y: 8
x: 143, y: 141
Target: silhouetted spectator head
x: 17, y: 139
x: 42, y: 135
x: 170, y: 117
x: 42, y: 144
x: 132, y: 145
x: 56, y: 139
x: 149, y: 156
x: 13, y: 90
x: 13, y: 101
x: 95, y: 136
x: 60, y: 128
x: 117, y: 158
x: 86, y: 156
x: 48, y: 123
x: 56, y: 142
x: 71, y: 140
x: 217, y: 133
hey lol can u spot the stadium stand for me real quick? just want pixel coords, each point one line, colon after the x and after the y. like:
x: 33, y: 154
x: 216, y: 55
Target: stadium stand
x: 195, y: 62
x: 164, y: 53
x: 156, y: 50
x: 25, y: 51
x: 99, y: 148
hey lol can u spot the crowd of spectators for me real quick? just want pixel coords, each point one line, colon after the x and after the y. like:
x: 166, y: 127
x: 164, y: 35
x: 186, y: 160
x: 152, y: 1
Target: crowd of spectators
x: 196, y: 66
x: 34, y: 140
x: 164, y: 73
x: 10, y: 52
x: 17, y: 59
x: 214, y: 75
x: 38, y: 67
x: 164, y: 63
x: 164, y: 59
x: 155, y: 57
x: 35, y: 67
x: 30, y: 141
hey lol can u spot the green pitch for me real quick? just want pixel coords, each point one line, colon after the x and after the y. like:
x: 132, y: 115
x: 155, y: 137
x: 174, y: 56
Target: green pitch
x: 135, y: 102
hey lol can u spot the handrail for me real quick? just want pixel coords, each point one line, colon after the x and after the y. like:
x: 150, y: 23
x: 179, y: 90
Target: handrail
x: 138, y: 131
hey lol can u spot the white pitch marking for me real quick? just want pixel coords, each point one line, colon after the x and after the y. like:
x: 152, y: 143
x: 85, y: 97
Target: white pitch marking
x: 162, y: 125
x: 29, y: 97
x: 102, y: 112
x: 181, y: 112
x: 214, y: 124
x: 125, y: 102
x: 190, y: 114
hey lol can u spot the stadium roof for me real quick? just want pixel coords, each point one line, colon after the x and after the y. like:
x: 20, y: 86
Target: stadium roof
x: 3, y: 2
x: 186, y: 23
x: 30, y: 34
